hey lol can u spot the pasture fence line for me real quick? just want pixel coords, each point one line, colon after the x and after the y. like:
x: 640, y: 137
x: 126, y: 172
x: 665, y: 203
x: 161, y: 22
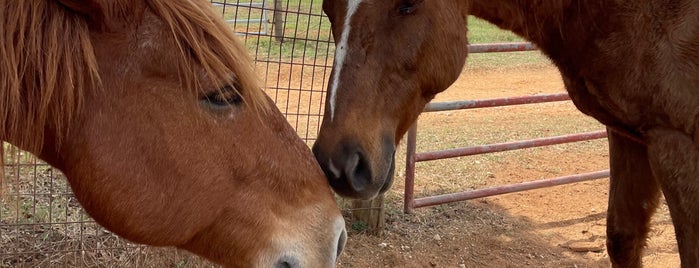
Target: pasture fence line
x: 412, y: 157
x: 262, y: 20
x: 501, y: 47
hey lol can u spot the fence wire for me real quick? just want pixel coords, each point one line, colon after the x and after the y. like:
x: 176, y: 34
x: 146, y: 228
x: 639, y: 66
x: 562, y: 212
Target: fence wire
x: 41, y: 222
x: 293, y: 59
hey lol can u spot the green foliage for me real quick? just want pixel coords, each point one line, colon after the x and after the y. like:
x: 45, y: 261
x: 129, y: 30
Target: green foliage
x: 480, y: 31
x: 306, y: 32
x: 359, y: 226
x: 181, y: 263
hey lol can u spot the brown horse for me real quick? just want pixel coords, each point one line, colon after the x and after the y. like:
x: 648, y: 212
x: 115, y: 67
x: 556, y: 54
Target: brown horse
x: 633, y: 65
x: 152, y: 111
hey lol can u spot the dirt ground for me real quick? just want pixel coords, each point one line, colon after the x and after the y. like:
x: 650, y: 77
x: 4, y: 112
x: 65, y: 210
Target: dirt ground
x: 562, y: 226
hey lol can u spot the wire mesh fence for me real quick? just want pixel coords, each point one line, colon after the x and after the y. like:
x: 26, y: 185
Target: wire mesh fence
x: 294, y: 59
x: 41, y: 222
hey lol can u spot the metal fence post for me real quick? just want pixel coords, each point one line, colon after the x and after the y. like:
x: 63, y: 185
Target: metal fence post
x: 278, y: 21
x: 408, y: 198
x: 369, y: 212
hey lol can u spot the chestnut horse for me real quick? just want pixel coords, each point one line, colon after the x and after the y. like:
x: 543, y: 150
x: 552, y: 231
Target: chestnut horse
x: 633, y: 65
x: 152, y: 110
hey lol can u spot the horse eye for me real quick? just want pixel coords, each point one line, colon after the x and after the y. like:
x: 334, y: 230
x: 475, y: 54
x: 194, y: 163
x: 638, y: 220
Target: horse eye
x: 408, y: 6
x: 226, y: 96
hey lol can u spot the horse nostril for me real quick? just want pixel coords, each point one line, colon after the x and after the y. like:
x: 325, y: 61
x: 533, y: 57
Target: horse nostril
x: 358, y: 172
x: 347, y: 170
x: 333, y: 170
x: 330, y: 168
x: 287, y: 262
x: 341, y: 242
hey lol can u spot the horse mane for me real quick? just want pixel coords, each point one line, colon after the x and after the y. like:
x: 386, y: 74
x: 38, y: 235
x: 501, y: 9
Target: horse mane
x: 48, y: 64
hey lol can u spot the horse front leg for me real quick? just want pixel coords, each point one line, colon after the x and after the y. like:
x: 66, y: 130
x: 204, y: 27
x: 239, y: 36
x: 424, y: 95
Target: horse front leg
x: 674, y: 159
x: 633, y: 198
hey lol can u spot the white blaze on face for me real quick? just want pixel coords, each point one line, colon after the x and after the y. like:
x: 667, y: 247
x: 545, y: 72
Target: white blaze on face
x: 341, y: 52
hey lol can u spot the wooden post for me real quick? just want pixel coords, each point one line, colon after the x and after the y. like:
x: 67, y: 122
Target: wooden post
x: 278, y: 21
x: 370, y: 212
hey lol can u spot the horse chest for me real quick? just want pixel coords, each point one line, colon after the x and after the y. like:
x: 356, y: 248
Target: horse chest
x: 638, y: 99
x: 639, y: 80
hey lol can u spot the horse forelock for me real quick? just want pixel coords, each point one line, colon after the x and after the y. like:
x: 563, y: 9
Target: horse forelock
x: 206, y: 42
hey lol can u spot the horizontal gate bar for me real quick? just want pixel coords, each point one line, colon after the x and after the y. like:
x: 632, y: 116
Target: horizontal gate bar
x: 508, y: 146
x: 224, y: 4
x: 501, y: 47
x: 472, y: 104
x: 512, y: 188
x: 247, y: 21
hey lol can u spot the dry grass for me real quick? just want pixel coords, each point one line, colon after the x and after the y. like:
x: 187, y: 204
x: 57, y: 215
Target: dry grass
x: 43, y: 225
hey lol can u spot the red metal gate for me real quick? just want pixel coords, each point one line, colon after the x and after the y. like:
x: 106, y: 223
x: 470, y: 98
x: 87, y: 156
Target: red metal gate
x: 413, y: 157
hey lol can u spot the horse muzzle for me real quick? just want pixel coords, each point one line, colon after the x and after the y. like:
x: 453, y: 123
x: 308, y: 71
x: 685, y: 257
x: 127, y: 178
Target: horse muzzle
x: 294, y: 250
x: 354, y: 173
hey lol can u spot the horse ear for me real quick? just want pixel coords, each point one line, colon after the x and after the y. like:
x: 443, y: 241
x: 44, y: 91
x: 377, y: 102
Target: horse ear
x: 91, y: 9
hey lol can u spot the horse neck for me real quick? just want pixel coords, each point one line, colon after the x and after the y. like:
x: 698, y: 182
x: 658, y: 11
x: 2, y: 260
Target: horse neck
x: 528, y: 18
x: 542, y: 22
x: 551, y: 25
